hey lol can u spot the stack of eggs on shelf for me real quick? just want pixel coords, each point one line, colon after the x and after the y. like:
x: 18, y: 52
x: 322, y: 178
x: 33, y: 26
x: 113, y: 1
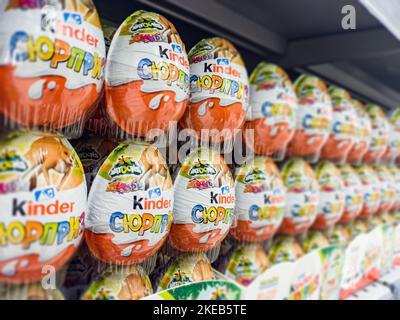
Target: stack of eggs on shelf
x: 322, y: 164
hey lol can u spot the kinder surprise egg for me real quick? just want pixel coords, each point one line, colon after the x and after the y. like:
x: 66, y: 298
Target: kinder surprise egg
x: 339, y: 236
x: 362, y: 134
x: 120, y: 283
x: 387, y: 187
x: 272, y: 112
x: 313, y: 119
x: 130, y: 205
x: 93, y: 151
x: 353, y: 193
x: 147, y: 74
x: 204, y: 198
x: 342, y: 136
x: 396, y: 177
x: 246, y: 263
x: 371, y: 190
x: 285, y: 249
x: 357, y: 227
x: 331, y: 196
x: 379, y: 134
x: 219, y: 94
x: 260, y: 200
x: 315, y: 240
x: 187, y: 268
x: 43, y: 197
x: 393, y: 149
x: 51, y: 64
x: 302, y: 196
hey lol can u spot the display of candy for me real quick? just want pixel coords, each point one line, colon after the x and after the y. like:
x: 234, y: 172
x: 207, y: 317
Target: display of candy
x: 147, y: 75
x: 387, y: 188
x: 302, y: 196
x: 285, y: 249
x: 371, y: 190
x: 331, y: 195
x: 43, y: 197
x: 204, y: 200
x: 246, y: 263
x: 51, y: 63
x: 343, y: 135
x: 353, y: 193
x: 314, y: 240
x: 363, y: 132
x: 120, y: 283
x: 260, y: 200
x: 130, y: 205
x: 339, y: 235
x: 313, y: 119
x: 379, y: 134
x: 185, y: 269
x: 272, y: 111
x: 219, y: 89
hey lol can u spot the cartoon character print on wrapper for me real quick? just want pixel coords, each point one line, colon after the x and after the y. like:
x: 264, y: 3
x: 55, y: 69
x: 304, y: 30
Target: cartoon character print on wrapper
x: 219, y: 89
x: 204, y: 199
x: 393, y: 149
x: 387, y: 188
x: 260, y: 200
x: 331, y: 196
x: 246, y: 263
x: 339, y: 235
x: 285, y: 249
x: 363, y: 131
x: 395, y: 171
x: 43, y: 198
x: 187, y: 268
x: 313, y: 119
x: 353, y: 193
x: 120, y: 283
x: 272, y: 110
x: 147, y: 74
x: 51, y: 62
x: 315, y: 239
x: 302, y: 197
x: 379, y: 134
x: 130, y: 205
x: 342, y: 136
x: 371, y: 190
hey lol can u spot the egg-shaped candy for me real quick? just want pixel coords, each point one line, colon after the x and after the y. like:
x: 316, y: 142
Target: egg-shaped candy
x: 313, y: 119
x: 302, y: 196
x: 314, y: 240
x: 285, y: 249
x: 51, y: 66
x: 371, y: 190
x: 272, y: 110
x: 43, y: 198
x: 395, y: 172
x: 130, y: 205
x: 342, y: 135
x: 331, y: 197
x: 387, y: 187
x: 353, y: 193
x: 147, y: 74
x: 219, y: 89
x: 339, y: 235
x: 204, y: 199
x: 363, y: 131
x: 379, y: 134
x: 260, y: 200
x: 393, y: 149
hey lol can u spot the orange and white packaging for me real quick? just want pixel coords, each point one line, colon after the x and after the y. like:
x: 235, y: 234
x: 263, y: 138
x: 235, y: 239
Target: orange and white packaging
x: 363, y: 131
x: 43, y: 198
x: 331, y: 196
x: 393, y: 149
x: 130, y: 205
x: 387, y: 187
x: 260, y: 200
x: 302, y: 197
x: 342, y: 136
x: 272, y: 110
x: 395, y: 172
x: 219, y: 89
x: 147, y: 75
x: 371, y: 190
x: 313, y: 119
x: 51, y: 64
x: 204, y: 200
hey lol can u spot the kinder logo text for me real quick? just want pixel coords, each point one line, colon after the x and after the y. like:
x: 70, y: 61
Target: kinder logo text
x: 44, y: 234
x: 140, y: 223
x: 140, y: 203
x: 33, y: 209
